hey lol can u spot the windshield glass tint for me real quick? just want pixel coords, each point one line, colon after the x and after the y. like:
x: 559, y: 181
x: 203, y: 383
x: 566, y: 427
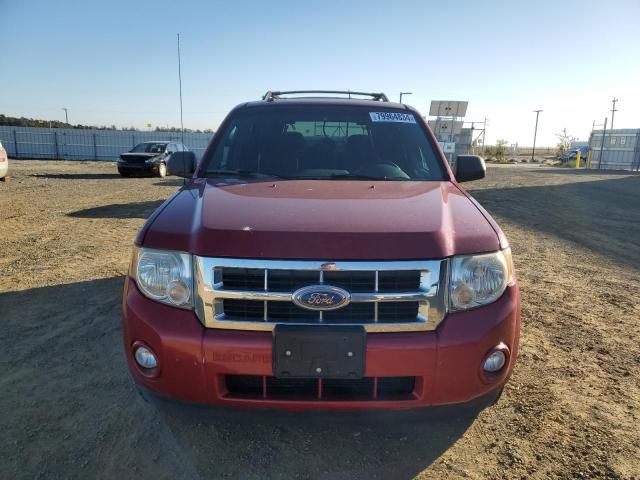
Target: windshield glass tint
x: 149, y: 148
x: 325, y: 142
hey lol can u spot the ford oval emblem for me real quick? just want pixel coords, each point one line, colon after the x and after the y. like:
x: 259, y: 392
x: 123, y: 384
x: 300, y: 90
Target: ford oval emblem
x: 321, y: 297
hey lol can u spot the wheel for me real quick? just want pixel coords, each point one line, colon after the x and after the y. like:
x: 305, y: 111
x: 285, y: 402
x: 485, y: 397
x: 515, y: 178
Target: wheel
x: 124, y: 174
x: 162, y: 170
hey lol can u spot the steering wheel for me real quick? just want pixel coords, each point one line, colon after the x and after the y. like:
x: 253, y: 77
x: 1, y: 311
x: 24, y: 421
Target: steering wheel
x: 393, y: 164
x: 386, y: 169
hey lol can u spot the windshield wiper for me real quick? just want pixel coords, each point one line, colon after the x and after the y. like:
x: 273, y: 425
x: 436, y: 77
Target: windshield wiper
x: 352, y: 176
x: 242, y: 173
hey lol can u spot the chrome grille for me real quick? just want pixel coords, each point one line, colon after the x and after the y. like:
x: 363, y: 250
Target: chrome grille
x: 257, y: 294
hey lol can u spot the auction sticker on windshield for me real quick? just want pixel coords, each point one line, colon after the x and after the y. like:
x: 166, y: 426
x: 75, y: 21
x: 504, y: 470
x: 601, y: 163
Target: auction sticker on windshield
x: 392, y: 117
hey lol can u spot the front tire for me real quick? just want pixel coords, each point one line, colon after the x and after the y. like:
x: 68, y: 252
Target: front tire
x: 162, y: 170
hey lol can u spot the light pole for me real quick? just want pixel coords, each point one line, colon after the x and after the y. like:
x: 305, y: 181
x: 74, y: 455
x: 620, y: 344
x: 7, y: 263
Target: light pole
x: 404, y: 93
x: 66, y: 116
x: 535, y: 133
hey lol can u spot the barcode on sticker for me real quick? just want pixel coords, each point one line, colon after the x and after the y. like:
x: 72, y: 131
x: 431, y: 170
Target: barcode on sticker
x: 392, y: 117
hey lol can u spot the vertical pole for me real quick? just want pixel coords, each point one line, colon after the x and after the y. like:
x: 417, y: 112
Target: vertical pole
x: 180, y: 87
x: 484, y: 136
x: 613, y: 111
x: 95, y: 147
x: 15, y: 141
x: 535, y: 134
x: 578, y: 158
x: 604, y: 130
x: 55, y: 139
x: 636, y: 151
x: 589, y: 152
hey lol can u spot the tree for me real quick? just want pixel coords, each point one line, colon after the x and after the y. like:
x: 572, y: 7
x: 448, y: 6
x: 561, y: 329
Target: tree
x: 564, y: 141
x: 501, y: 148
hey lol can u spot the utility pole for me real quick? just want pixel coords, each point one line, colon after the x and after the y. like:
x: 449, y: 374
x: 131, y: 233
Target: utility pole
x: 613, y: 110
x: 535, y: 134
x: 66, y: 116
x: 484, y: 135
x: 604, y: 130
x: 404, y: 93
x: 180, y: 87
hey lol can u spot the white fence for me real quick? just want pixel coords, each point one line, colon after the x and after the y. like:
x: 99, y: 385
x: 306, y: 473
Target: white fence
x: 80, y: 144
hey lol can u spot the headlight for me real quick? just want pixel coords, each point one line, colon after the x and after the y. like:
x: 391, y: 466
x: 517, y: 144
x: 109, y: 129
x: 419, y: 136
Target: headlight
x: 478, y: 280
x: 164, y: 276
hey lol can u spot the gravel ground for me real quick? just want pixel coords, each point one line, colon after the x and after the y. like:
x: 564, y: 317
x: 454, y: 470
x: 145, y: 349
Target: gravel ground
x: 69, y: 410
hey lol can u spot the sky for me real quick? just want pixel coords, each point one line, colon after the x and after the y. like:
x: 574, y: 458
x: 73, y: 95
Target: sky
x: 114, y: 62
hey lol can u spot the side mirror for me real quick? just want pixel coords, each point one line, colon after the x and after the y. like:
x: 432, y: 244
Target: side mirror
x: 182, y: 164
x: 470, y: 167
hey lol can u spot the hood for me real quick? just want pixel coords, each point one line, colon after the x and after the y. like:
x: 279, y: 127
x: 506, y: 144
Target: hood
x: 320, y: 220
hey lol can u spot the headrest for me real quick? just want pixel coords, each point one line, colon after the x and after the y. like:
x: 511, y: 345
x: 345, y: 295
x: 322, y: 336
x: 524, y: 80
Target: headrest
x: 292, y: 140
x: 359, y: 142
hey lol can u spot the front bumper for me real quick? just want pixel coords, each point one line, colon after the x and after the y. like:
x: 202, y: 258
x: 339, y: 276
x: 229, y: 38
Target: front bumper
x: 193, y: 361
x: 137, y: 168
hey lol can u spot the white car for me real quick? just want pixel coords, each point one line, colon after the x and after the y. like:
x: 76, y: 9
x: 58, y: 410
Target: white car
x: 4, y: 162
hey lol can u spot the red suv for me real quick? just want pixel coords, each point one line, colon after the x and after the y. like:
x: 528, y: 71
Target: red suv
x: 322, y: 255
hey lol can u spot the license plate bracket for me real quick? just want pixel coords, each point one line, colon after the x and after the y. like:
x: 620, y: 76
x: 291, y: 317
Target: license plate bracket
x: 304, y: 351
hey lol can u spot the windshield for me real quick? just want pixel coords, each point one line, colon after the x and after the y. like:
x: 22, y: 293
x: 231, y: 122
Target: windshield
x: 324, y: 142
x: 149, y: 148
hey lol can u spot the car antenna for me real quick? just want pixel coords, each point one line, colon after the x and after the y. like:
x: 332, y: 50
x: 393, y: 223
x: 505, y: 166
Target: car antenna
x: 184, y: 180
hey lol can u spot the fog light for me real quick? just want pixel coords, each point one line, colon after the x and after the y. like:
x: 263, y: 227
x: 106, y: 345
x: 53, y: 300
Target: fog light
x: 495, y: 361
x: 145, y: 358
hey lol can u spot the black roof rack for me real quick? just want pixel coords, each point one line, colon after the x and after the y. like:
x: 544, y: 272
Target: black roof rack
x: 274, y: 95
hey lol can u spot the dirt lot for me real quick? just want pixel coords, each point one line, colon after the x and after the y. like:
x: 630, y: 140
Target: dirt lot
x: 69, y: 410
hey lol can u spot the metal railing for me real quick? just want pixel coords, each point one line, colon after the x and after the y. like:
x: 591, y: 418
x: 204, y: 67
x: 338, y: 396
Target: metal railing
x: 376, y: 96
x: 87, y: 144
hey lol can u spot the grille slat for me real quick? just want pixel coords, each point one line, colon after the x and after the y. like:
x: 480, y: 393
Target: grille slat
x: 291, y: 280
x: 284, y: 311
x: 387, y: 388
x: 397, y: 311
x: 244, y: 310
x: 253, y: 310
x: 243, y: 278
x: 398, y: 281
